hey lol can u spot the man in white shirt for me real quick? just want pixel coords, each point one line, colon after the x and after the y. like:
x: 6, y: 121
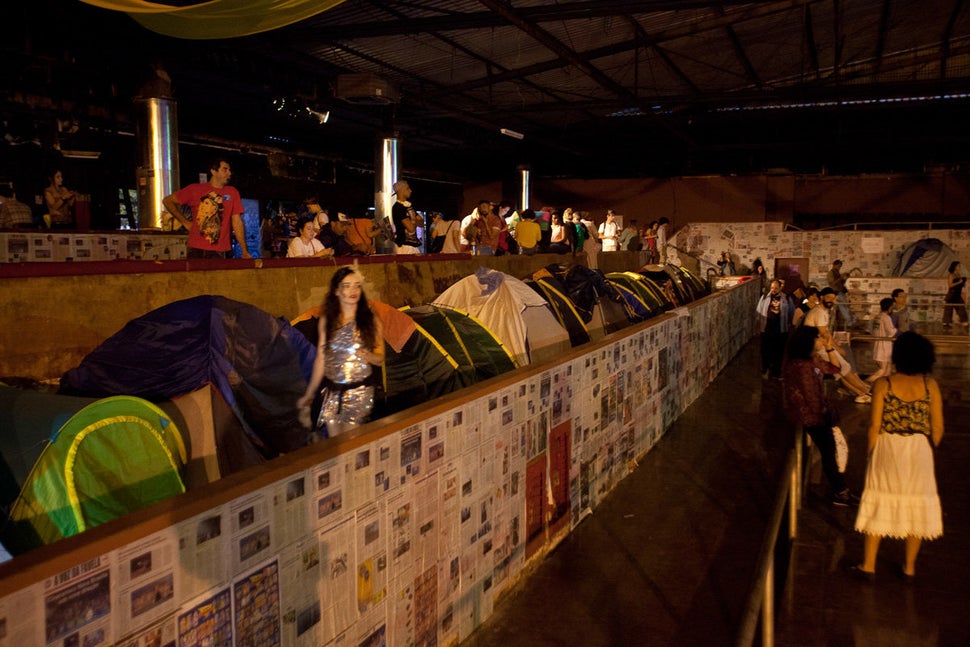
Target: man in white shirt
x: 818, y: 317
x: 608, y: 232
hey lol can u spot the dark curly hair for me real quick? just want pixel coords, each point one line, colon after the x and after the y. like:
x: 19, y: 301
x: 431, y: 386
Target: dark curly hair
x: 913, y: 354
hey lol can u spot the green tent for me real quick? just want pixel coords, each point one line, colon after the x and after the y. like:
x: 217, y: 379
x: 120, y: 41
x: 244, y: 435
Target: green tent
x: 112, y: 457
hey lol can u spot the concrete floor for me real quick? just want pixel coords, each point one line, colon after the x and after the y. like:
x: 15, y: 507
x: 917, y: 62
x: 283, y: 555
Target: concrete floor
x: 670, y: 557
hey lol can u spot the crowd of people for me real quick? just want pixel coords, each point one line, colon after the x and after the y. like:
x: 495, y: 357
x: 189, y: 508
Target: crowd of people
x: 490, y: 229
x: 899, y: 499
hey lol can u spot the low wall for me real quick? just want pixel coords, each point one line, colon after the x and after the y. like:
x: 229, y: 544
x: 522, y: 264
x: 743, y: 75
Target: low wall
x: 53, y: 314
x: 407, y: 531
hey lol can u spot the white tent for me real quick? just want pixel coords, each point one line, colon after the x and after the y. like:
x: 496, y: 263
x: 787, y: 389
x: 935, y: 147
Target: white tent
x: 513, y: 311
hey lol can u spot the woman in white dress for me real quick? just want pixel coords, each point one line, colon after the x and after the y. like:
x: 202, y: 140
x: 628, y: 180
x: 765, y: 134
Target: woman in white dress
x: 882, y: 349
x: 900, y: 498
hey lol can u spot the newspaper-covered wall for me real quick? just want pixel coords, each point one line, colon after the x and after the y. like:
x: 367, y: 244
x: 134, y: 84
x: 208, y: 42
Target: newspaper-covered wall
x: 410, y: 538
x: 870, y: 253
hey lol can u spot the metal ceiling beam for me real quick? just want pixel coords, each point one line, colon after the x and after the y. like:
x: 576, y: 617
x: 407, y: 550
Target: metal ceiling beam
x: 883, y: 29
x: 742, y: 55
x: 466, y: 51
x: 692, y: 29
x: 553, y: 44
x: 662, y: 54
x: 947, y: 35
x: 837, y: 38
x: 322, y: 26
x: 810, y: 43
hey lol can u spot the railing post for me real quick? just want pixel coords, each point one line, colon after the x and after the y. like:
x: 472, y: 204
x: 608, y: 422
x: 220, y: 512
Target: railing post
x: 768, y: 607
x: 795, y: 491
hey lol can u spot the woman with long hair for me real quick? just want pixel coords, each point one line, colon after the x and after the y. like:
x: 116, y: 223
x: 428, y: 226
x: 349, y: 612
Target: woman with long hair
x: 807, y: 405
x: 900, y: 498
x: 953, y: 301
x: 350, y: 346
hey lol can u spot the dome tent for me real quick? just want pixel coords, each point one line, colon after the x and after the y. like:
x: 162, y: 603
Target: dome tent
x: 926, y: 257
x: 258, y: 363
x: 114, y: 456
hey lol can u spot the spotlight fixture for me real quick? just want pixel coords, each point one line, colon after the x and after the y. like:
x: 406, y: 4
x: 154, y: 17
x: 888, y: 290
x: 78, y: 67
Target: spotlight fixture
x: 511, y: 133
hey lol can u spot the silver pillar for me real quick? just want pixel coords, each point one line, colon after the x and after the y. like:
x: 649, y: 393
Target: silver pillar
x: 157, y: 173
x: 385, y: 167
x: 525, y: 198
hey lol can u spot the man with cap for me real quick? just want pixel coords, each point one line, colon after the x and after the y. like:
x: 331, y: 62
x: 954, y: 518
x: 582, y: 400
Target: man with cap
x: 406, y: 221
x: 836, y: 280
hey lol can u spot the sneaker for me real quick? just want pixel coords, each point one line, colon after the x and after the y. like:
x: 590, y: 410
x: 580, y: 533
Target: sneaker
x: 863, y: 399
x: 845, y: 498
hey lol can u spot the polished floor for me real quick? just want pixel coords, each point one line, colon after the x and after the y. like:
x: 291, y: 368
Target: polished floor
x: 670, y: 557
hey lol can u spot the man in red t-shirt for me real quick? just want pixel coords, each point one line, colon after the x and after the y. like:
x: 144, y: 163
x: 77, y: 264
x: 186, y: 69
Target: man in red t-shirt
x: 216, y: 207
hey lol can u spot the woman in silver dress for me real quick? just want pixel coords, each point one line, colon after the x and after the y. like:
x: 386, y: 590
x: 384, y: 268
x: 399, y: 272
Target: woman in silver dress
x: 351, y: 344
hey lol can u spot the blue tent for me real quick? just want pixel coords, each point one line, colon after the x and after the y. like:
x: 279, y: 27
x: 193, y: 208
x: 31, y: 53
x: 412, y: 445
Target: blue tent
x: 258, y: 363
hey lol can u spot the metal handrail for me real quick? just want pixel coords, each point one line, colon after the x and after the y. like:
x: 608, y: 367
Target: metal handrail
x: 761, y: 600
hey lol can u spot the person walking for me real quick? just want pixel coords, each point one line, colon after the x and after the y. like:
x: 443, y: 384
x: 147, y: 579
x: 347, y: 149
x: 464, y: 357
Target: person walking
x: 953, y: 301
x: 900, y: 499
x: 351, y: 345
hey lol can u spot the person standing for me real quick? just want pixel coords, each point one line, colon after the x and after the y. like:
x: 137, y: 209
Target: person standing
x: 663, y: 226
x: 406, y: 221
x: 900, y: 498
x: 775, y: 310
x: 805, y: 403
x: 836, y: 280
x: 900, y: 313
x: 216, y: 209
x: 528, y: 233
x: 350, y: 346
x: 60, y: 201
x: 882, y: 349
x: 953, y: 301
x: 608, y: 232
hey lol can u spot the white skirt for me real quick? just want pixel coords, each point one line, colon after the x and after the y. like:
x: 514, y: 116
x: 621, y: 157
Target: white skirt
x: 900, y: 498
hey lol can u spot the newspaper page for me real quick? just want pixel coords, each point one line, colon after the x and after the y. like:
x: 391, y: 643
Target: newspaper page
x: 250, y: 521
x: 207, y: 620
x: 400, y: 513
x: 412, y: 460
x: 436, y: 437
x: 387, y: 464
x: 20, y: 615
x: 338, y: 598
x: 162, y: 634
x: 145, y: 582
x: 77, y: 605
x: 371, y: 559
x: 256, y: 604
x: 328, y: 491
x: 360, y: 482
x: 300, y: 602
x: 426, y: 516
x: 291, y: 509
x: 203, y: 553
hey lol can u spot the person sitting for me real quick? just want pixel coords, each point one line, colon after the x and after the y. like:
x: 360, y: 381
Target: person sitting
x: 306, y: 244
x: 60, y: 201
x: 333, y: 235
x: 361, y: 232
x: 818, y: 317
x: 559, y: 239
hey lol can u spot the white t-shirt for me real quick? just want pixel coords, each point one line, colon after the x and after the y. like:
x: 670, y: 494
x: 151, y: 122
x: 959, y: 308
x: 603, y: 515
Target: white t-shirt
x: 298, y: 249
x: 817, y: 317
x: 607, y: 233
